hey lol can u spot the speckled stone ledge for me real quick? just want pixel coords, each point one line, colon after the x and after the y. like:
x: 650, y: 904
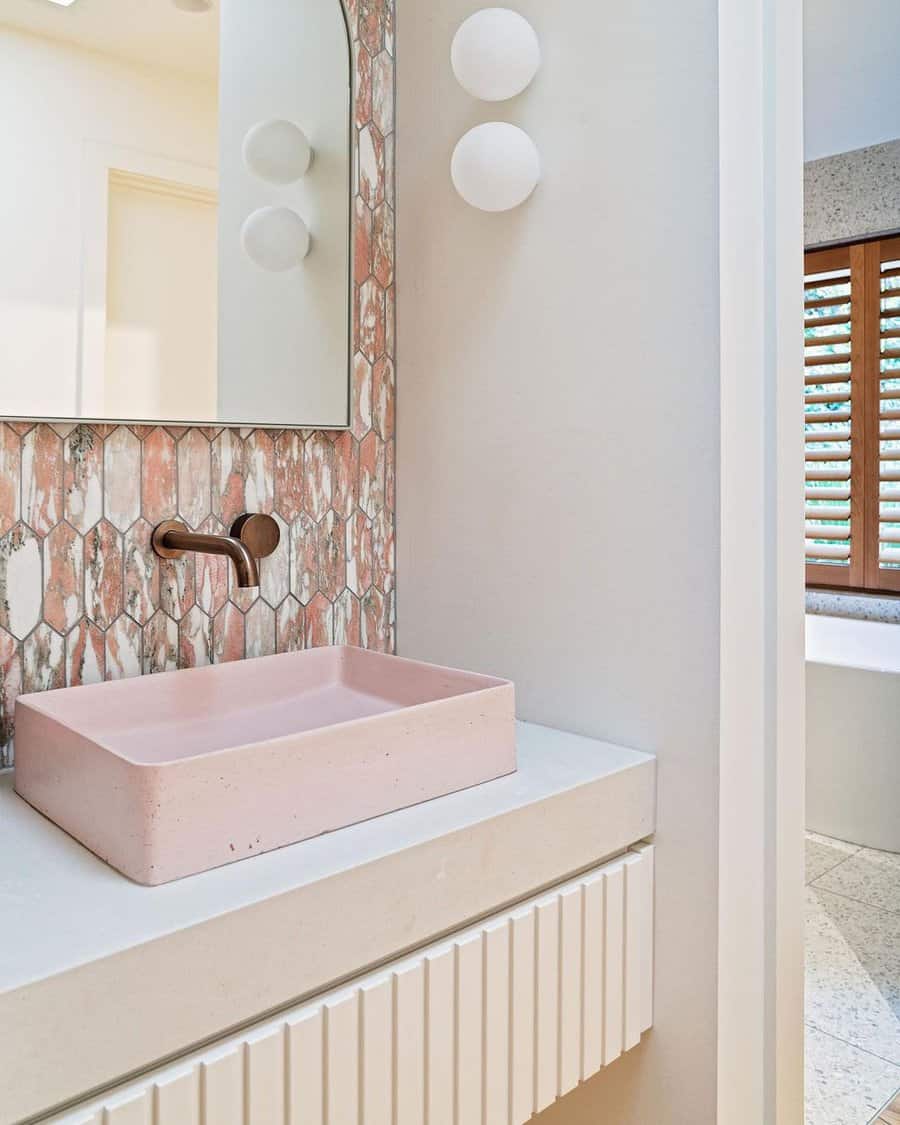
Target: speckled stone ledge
x: 863, y: 607
x: 852, y: 195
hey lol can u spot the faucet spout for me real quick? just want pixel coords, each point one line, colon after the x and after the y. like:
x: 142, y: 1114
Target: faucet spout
x: 171, y: 539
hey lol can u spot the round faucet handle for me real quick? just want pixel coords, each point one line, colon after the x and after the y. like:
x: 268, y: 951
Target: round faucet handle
x: 259, y: 533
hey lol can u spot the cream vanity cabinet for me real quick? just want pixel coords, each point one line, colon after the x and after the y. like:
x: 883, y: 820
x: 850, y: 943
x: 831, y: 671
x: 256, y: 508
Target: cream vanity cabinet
x: 491, y: 1024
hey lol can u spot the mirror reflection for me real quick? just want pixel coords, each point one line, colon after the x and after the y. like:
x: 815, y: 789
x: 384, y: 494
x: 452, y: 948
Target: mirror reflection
x: 176, y: 242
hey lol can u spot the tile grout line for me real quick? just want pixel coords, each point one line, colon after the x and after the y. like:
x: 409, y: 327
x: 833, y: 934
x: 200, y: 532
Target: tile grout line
x: 855, y: 1046
x: 829, y: 870
x: 858, y: 901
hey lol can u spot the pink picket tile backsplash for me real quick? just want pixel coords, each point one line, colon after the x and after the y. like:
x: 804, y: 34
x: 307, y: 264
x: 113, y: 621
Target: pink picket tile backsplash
x: 83, y: 597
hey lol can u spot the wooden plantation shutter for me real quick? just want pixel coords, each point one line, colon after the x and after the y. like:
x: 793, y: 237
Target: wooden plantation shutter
x: 852, y: 403
x: 833, y: 332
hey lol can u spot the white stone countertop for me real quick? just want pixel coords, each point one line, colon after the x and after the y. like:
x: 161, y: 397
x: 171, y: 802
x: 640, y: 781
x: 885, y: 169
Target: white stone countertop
x: 101, y: 977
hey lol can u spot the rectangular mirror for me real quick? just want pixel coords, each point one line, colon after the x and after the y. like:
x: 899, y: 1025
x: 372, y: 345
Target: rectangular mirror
x: 176, y: 211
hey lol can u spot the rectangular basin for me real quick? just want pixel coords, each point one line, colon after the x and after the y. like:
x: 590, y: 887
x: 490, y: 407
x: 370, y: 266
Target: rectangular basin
x: 167, y: 775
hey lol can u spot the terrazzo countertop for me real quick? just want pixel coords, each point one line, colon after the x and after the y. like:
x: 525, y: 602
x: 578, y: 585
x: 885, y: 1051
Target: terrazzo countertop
x: 852, y: 195
x: 100, y: 977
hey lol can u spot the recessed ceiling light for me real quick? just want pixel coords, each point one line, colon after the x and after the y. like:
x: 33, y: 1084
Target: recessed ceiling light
x: 192, y: 5
x: 63, y: 3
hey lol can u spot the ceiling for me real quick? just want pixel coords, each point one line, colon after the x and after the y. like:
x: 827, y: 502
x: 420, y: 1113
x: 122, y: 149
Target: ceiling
x: 152, y: 32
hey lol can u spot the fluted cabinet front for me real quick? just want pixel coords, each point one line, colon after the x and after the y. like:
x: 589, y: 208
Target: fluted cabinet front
x: 486, y: 1027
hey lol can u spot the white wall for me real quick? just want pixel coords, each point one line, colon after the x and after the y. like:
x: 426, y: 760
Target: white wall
x: 288, y: 331
x: 851, y: 81
x: 55, y: 97
x: 559, y: 445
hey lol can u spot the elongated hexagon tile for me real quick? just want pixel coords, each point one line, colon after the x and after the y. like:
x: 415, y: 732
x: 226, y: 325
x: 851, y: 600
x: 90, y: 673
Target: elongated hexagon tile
x: 103, y: 576
x: 383, y: 245
x: 345, y: 493
x: 363, y: 109
x: 85, y: 655
x: 389, y: 174
x: 160, y: 644
x: 195, y: 639
x: 42, y: 478
x: 10, y: 477
x: 20, y: 581
x: 289, y: 474
x: 390, y: 320
x: 83, y: 478
x: 228, y: 634
x: 359, y: 552
x: 63, y: 577
x: 383, y: 550
x: 319, y: 622
x: 389, y: 25
x: 370, y: 27
x: 177, y: 592
x: 375, y: 631
x: 371, y: 320
x: 159, y: 477
x: 319, y: 475
x: 362, y: 240
x: 123, y: 649
x: 332, y: 555
x: 275, y: 571
x: 383, y: 93
x: 290, y: 626
x: 370, y: 167
x: 10, y: 689
x: 390, y: 487
x: 211, y: 583
x: 121, y: 472
x: 347, y: 620
x: 228, y: 476
x: 383, y: 397
x: 304, y: 561
x: 371, y: 474
x: 260, y: 630
x: 44, y: 666
x: 361, y: 397
x: 259, y: 453
x: 141, y: 573
x: 194, y: 478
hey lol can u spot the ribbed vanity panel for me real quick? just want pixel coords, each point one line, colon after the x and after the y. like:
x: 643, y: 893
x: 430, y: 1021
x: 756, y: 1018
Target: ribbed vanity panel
x: 469, y: 1016
x: 342, y: 1061
x: 593, y: 966
x: 496, y: 1023
x: 306, y: 1061
x: 440, y: 1035
x: 222, y: 1089
x: 522, y: 1012
x: 176, y: 1100
x: 570, y: 988
x: 546, y: 1078
x: 409, y: 1045
x: 614, y: 963
x: 264, y: 1078
x: 485, y: 1027
x: 377, y: 1045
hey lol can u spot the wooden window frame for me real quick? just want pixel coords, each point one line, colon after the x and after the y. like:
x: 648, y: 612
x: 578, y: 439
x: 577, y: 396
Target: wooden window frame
x: 863, y: 573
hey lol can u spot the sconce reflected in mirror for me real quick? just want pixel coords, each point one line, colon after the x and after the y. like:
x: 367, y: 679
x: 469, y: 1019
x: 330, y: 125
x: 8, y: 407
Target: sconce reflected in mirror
x: 277, y: 151
x: 275, y: 238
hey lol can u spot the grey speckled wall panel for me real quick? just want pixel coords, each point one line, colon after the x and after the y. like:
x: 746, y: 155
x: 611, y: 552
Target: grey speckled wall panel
x: 853, y: 195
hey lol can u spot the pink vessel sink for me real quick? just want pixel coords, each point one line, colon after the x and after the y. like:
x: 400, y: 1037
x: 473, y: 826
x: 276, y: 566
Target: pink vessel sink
x: 163, y: 776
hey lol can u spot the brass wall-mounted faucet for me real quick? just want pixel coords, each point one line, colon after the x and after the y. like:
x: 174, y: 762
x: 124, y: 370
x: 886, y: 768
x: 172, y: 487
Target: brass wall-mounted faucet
x: 253, y: 536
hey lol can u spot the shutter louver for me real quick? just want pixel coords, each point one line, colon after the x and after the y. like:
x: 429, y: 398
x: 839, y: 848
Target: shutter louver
x: 833, y: 426
x: 887, y: 378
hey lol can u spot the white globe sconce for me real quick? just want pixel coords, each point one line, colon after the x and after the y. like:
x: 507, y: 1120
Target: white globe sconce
x: 495, y: 54
x: 495, y: 166
x: 277, y: 151
x: 275, y: 238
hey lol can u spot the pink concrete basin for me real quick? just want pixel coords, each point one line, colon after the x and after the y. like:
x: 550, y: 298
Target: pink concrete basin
x: 164, y: 776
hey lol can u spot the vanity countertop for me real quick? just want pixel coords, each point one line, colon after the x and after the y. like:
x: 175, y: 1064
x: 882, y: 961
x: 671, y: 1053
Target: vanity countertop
x: 100, y: 977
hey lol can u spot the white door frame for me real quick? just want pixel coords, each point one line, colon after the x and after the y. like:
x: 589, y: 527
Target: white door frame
x: 760, y: 1004
x: 101, y: 164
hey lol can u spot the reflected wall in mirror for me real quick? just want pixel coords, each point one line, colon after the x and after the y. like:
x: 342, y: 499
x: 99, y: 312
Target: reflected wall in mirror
x: 176, y: 211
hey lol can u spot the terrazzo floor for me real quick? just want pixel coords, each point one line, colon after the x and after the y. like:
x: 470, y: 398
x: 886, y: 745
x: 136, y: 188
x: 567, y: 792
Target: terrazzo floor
x: 852, y: 982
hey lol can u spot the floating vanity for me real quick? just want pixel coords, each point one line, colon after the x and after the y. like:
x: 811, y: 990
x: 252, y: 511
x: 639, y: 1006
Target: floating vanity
x: 490, y: 944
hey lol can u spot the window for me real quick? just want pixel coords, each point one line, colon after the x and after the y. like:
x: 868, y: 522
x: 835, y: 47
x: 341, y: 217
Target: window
x: 852, y: 402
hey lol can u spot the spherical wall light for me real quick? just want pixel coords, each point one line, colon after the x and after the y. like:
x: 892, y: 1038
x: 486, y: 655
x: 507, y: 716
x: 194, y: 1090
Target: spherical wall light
x: 275, y: 238
x: 495, y: 54
x: 277, y: 151
x: 495, y: 166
